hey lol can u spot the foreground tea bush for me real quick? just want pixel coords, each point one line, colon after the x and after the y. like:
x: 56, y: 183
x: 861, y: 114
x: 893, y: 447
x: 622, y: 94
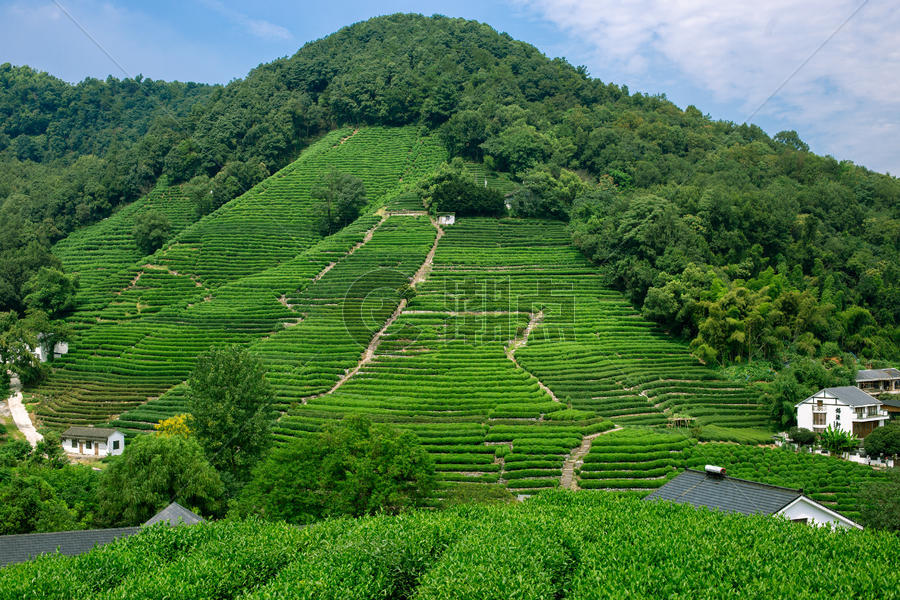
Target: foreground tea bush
x: 556, y: 545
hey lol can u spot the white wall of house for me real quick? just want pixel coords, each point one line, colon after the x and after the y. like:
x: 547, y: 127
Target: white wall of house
x: 814, y: 513
x: 836, y: 413
x: 833, y: 412
x: 80, y: 447
x: 58, y: 350
x: 116, y: 448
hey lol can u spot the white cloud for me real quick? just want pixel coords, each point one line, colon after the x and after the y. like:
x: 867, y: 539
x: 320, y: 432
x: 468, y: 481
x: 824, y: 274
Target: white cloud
x: 846, y: 97
x: 257, y: 27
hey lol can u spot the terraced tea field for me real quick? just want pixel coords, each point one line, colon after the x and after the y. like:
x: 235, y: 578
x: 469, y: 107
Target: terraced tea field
x: 97, y: 252
x: 493, y: 339
x: 231, y: 277
x: 466, y: 364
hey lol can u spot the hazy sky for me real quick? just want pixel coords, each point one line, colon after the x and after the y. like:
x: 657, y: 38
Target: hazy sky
x: 829, y: 69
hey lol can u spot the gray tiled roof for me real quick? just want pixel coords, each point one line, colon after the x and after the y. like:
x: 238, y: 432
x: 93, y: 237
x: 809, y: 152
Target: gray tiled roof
x: 725, y: 493
x: 852, y: 395
x: 19, y: 548
x: 175, y: 514
x: 877, y: 374
x: 88, y: 433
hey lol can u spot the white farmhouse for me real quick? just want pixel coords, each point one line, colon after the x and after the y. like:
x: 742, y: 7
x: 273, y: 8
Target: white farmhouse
x: 847, y: 408
x: 59, y: 349
x: 93, y: 441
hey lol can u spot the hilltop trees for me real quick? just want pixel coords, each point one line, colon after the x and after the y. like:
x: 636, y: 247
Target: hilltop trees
x: 450, y: 190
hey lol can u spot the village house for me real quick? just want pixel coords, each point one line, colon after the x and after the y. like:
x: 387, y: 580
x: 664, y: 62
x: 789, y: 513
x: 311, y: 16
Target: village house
x: 59, y: 348
x: 93, y: 441
x: 712, y: 488
x: 446, y: 218
x: 879, y: 381
x: 846, y: 408
x: 21, y: 547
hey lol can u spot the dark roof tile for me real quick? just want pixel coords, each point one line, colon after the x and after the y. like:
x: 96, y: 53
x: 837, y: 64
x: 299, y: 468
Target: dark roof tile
x: 725, y: 493
x: 19, y: 548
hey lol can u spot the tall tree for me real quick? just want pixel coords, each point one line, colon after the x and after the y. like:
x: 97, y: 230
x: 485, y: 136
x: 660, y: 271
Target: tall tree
x: 153, y: 471
x: 230, y: 401
x: 353, y: 468
x: 151, y: 230
x: 341, y: 199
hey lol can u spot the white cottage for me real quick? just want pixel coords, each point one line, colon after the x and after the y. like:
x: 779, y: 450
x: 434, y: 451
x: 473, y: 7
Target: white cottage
x: 93, y: 441
x: 847, y: 408
x: 59, y: 349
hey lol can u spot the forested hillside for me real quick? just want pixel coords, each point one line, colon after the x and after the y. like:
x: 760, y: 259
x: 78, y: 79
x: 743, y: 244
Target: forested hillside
x: 748, y: 246
x: 70, y: 154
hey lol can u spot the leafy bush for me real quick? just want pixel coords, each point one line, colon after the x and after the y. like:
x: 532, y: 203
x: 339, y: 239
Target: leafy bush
x: 151, y: 230
x: 802, y: 436
x: 884, y: 441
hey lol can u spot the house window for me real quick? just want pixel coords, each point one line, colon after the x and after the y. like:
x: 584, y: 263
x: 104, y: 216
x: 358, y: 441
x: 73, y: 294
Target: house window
x: 87, y: 445
x: 115, y: 444
x: 819, y: 418
x: 860, y: 413
x: 74, y: 444
x: 819, y: 404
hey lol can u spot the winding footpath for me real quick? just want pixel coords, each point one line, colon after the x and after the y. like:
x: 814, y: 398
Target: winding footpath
x: 576, y: 459
x: 369, y: 353
x: 20, y: 415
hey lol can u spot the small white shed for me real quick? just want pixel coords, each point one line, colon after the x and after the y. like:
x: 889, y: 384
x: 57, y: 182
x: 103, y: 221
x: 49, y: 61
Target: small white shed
x: 93, y: 441
x: 446, y: 218
x: 59, y: 349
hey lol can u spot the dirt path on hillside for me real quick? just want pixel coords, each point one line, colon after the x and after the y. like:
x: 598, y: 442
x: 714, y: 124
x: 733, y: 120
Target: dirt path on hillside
x: 364, y: 241
x: 420, y: 275
x: 576, y: 459
x: 20, y: 414
x: 517, y: 343
x: 344, y: 139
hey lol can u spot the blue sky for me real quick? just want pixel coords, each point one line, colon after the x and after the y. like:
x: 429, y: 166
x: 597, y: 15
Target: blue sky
x: 835, y: 64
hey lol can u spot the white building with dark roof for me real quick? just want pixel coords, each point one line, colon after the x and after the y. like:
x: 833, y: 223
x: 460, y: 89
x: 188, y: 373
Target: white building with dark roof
x: 847, y: 408
x: 93, y: 441
x: 713, y: 489
x: 879, y: 381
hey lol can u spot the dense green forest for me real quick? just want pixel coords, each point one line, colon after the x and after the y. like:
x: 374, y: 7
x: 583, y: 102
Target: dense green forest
x: 749, y: 245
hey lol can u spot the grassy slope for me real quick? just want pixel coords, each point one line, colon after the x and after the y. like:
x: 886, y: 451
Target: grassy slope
x: 559, y: 545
